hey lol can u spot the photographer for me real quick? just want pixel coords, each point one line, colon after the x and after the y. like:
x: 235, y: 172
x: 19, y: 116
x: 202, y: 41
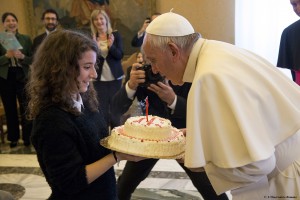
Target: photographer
x: 137, y: 40
x: 165, y: 100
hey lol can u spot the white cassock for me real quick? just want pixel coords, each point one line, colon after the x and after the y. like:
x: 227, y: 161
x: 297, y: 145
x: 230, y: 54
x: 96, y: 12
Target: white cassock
x: 243, y: 122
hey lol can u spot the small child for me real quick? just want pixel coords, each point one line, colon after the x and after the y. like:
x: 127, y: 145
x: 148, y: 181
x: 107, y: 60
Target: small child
x: 140, y: 57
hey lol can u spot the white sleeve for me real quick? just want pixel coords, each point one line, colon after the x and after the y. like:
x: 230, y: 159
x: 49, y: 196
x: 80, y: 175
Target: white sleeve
x: 173, y: 105
x: 139, y: 35
x: 130, y: 92
x: 225, y: 179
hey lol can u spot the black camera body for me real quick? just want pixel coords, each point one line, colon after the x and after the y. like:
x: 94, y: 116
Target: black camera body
x: 150, y: 77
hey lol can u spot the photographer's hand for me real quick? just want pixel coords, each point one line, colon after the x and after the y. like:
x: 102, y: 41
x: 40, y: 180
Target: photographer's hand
x: 143, y: 28
x: 164, y: 91
x: 136, y: 76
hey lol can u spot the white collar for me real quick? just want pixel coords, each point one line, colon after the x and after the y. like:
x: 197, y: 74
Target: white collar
x: 48, y: 32
x: 190, y: 69
x: 78, y: 103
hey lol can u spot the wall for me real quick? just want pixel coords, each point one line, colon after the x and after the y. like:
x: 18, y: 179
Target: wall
x: 214, y: 19
x: 20, y: 9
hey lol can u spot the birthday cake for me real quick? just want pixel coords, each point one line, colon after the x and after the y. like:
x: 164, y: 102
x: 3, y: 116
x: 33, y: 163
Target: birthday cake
x: 147, y: 136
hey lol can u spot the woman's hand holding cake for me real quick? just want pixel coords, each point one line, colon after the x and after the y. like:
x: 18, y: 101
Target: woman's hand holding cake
x: 118, y: 156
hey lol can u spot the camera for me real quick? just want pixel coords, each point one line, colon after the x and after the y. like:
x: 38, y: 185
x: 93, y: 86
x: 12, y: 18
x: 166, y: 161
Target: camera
x: 150, y: 77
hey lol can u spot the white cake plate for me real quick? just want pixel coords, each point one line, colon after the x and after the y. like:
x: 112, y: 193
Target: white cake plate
x: 104, y: 142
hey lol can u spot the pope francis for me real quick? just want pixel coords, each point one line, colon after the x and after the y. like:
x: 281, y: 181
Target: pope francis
x: 243, y: 114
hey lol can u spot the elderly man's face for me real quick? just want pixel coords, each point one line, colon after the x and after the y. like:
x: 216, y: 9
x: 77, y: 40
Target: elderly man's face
x: 163, y: 63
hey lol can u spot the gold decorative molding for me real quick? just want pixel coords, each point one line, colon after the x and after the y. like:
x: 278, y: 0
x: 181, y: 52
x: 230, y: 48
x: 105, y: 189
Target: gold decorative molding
x: 31, y: 18
x: 123, y: 19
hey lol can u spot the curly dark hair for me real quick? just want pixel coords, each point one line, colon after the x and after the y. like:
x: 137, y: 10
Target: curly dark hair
x: 54, y: 72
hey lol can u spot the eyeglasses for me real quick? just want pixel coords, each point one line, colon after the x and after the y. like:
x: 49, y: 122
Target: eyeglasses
x: 50, y: 18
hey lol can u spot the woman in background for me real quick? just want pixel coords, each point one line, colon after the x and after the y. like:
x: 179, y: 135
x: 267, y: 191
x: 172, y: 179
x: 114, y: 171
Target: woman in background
x: 14, y: 66
x: 110, y: 69
x: 68, y: 126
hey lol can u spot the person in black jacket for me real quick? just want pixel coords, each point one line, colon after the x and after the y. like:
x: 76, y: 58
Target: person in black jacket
x: 67, y: 125
x: 50, y: 20
x: 138, y: 38
x: 289, y: 48
x: 110, y: 69
x: 165, y: 100
x: 14, y: 70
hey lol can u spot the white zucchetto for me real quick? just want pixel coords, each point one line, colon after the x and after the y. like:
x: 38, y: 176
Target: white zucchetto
x: 170, y: 24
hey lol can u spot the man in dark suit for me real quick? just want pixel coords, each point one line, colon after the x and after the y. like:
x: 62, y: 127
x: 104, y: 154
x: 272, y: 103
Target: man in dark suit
x: 50, y: 20
x: 289, y: 49
x: 165, y: 100
x: 137, y: 40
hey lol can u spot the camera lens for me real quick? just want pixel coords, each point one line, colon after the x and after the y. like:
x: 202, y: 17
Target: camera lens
x: 150, y: 77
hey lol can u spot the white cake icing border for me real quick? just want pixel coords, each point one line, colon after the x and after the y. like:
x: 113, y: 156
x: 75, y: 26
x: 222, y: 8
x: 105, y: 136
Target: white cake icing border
x: 171, y: 148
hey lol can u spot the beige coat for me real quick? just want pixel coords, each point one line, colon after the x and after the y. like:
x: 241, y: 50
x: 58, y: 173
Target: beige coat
x: 240, y: 108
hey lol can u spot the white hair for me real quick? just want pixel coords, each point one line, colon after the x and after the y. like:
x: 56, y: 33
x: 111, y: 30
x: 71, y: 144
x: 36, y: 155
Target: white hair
x: 161, y: 42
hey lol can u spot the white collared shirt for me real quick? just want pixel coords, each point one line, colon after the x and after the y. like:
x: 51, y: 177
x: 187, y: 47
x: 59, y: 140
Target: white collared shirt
x: 78, y: 103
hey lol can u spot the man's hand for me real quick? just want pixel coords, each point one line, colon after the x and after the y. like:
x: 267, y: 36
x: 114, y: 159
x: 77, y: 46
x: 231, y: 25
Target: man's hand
x: 136, y: 76
x: 143, y: 28
x: 164, y: 91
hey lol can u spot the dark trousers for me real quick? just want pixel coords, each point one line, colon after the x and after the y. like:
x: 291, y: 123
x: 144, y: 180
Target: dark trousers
x: 12, y: 90
x: 106, y: 90
x: 135, y: 172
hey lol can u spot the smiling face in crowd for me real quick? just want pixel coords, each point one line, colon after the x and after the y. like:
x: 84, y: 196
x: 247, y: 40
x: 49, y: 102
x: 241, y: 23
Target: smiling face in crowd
x: 10, y: 24
x: 50, y: 21
x: 100, y: 23
x: 87, y: 70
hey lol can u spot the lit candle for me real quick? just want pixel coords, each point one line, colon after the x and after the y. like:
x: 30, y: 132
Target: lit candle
x: 147, y: 106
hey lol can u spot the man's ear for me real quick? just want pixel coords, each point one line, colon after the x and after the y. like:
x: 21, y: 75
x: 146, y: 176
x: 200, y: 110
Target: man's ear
x: 175, y: 51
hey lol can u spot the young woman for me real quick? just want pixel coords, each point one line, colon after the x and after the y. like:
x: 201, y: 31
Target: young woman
x: 67, y: 123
